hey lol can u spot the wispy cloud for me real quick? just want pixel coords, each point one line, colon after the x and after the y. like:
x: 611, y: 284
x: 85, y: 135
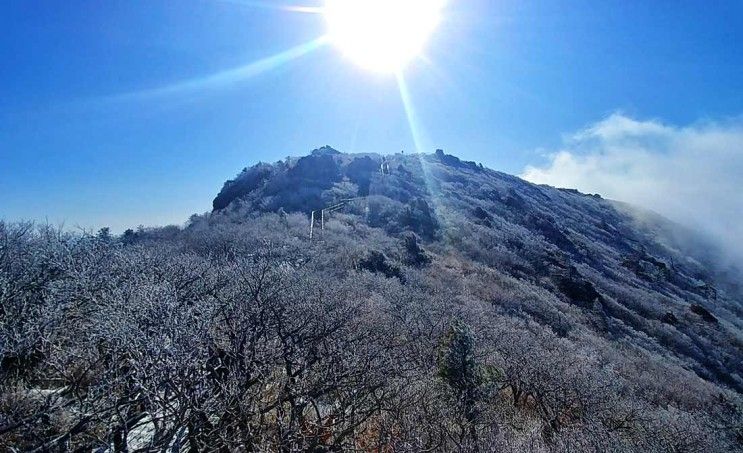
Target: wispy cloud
x: 691, y: 174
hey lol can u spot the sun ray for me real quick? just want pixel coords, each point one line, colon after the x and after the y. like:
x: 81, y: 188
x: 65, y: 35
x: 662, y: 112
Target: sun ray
x: 270, y: 5
x: 228, y: 78
x: 410, y: 113
x: 421, y: 144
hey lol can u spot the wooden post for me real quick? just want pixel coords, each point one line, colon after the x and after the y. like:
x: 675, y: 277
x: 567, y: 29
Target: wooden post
x: 312, y: 223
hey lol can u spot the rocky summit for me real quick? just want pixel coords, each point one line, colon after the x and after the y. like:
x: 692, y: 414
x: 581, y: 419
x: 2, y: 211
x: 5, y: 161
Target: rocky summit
x: 627, y: 273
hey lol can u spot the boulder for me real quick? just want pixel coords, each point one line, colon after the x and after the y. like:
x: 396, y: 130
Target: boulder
x: 703, y: 313
x: 669, y: 318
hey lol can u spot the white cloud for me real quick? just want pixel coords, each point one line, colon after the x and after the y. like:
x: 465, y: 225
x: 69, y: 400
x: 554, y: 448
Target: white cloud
x: 692, y: 174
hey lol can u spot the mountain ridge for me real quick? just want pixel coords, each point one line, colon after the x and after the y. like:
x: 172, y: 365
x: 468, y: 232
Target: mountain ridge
x: 447, y: 307
x: 584, y: 231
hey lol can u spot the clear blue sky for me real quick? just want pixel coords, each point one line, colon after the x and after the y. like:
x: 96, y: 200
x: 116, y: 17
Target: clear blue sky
x: 84, y: 139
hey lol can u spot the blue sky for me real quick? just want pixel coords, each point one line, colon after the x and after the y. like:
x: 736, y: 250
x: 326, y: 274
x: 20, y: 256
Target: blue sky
x: 87, y: 139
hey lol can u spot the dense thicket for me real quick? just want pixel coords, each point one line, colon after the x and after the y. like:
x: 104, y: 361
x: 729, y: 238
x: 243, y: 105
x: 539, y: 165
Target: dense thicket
x: 425, y: 317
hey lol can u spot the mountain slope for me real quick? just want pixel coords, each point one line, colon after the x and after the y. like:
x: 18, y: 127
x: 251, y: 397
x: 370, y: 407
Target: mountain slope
x: 438, y: 306
x: 631, y: 274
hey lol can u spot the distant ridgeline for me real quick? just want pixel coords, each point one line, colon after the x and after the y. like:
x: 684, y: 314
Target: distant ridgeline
x: 629, y: 273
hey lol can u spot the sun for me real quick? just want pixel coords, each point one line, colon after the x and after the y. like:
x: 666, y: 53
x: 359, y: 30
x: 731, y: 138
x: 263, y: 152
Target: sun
x: 382, y: 35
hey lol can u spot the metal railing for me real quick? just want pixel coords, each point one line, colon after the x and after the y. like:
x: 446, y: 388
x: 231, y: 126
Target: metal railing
x: 327, y: 210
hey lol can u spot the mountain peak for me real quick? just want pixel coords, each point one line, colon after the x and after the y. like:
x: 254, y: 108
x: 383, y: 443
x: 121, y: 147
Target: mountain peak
x: 314, y: 174
x: 325, y: 150
x: 580, y: 247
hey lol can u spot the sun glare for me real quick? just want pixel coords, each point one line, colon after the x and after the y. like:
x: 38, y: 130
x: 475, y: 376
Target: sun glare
x: 382, y: 35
